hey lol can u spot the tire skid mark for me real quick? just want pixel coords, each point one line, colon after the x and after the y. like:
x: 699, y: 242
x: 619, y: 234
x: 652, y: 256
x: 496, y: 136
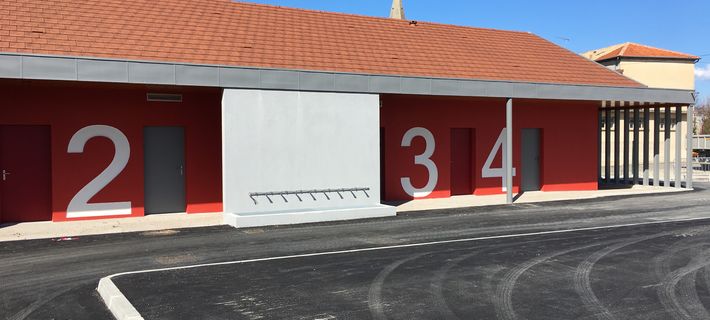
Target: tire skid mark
x: 687, y: 285
x: 706, y: 277
x: 437, y: 285
x: 667, y: 289
x: 582, y: 282
x: 374, y: 297
x: 689, y: 296
x: 24, y: 313
x: 503, y: 300
x: 661, y: 262
x: 688, y: 292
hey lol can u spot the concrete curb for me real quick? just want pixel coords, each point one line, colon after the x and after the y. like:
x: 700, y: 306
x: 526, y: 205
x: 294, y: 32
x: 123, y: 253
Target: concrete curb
x: 117, y: 303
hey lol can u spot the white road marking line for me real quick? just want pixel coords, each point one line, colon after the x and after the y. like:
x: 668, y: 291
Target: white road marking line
x: 125, y: 302
x: 409, y: 245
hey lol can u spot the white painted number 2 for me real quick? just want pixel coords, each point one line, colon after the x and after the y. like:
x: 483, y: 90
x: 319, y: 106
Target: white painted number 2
x: 487, y: 171
x: 79, y: 206
x: 423, y: 159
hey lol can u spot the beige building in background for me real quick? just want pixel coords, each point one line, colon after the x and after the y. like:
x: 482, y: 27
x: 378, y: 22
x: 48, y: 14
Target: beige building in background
x: 656, y: 68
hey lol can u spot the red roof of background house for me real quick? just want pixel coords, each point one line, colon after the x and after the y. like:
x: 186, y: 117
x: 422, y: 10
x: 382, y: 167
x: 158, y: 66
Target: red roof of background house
x: 636, y: 50
x: 222, y: 32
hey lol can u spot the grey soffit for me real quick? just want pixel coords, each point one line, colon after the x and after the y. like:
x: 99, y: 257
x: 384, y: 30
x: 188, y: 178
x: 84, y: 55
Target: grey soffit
x: 38, y: 67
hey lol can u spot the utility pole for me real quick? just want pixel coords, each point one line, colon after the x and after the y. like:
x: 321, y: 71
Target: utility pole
x: 397, y: 11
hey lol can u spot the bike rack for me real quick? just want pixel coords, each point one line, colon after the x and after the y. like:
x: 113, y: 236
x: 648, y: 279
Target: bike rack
x: 298, y: 193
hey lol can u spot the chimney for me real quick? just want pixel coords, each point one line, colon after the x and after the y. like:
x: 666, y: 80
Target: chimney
x: 397, y: 11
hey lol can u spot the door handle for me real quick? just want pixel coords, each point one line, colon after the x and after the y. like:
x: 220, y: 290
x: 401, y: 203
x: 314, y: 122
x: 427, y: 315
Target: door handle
x: 182, y: 170
x: 4, y: 175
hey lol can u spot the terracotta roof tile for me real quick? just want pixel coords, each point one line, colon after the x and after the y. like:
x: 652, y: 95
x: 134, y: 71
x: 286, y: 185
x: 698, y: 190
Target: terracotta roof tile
x: 636, y: 50
x: 223, y: 32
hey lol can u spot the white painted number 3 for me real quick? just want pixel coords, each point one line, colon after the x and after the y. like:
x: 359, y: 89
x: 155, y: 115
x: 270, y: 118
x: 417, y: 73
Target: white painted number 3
x: 423, y: 159
x: 487, y: 171
x: 79, y: 206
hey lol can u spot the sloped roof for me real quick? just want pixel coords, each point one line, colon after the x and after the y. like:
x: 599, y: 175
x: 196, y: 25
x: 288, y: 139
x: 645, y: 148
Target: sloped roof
x: 222, y: 32
x: 636, y: 50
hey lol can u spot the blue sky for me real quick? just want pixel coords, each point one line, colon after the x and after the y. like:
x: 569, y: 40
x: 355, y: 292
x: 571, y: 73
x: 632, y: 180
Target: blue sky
x: 576, y: 25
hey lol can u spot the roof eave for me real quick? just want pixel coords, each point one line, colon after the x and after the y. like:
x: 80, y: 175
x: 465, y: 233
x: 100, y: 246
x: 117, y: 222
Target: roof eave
x: 691, y: 59
x: 66, y: 68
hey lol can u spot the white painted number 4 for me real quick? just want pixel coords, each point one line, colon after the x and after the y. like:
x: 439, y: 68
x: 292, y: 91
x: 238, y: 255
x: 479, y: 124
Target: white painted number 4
x: 487, y: 171
x: 79, y: 206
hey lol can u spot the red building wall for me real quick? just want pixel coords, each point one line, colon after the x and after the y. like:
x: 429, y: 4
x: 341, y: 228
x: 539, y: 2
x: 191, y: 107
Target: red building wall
x: 69, y: 107
x: 568, y: 141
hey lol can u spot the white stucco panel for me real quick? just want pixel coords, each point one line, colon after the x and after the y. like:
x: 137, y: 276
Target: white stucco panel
x: 288, y: 141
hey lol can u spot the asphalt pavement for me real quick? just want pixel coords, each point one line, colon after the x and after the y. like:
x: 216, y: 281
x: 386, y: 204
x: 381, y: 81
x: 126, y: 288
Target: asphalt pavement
x: 531, y: 277
x: 647, y: 272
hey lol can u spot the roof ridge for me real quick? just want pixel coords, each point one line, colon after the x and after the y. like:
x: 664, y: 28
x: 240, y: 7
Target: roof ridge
x: 624, y: 47
x: 610, y: 52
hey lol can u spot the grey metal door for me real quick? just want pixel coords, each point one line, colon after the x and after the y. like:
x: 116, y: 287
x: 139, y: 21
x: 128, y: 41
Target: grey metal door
x: 164, y: 160
x: 530, y: 160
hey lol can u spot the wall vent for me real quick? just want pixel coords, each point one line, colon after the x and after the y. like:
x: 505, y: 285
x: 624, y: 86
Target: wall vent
x: 164, y: 97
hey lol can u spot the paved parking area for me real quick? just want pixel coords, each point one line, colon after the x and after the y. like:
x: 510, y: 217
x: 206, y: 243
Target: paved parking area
x: 648, y: 272
x: 45, y: 279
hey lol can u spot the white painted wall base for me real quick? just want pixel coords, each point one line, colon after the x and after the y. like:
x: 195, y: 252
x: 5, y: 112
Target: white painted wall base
x: 246, y: 220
